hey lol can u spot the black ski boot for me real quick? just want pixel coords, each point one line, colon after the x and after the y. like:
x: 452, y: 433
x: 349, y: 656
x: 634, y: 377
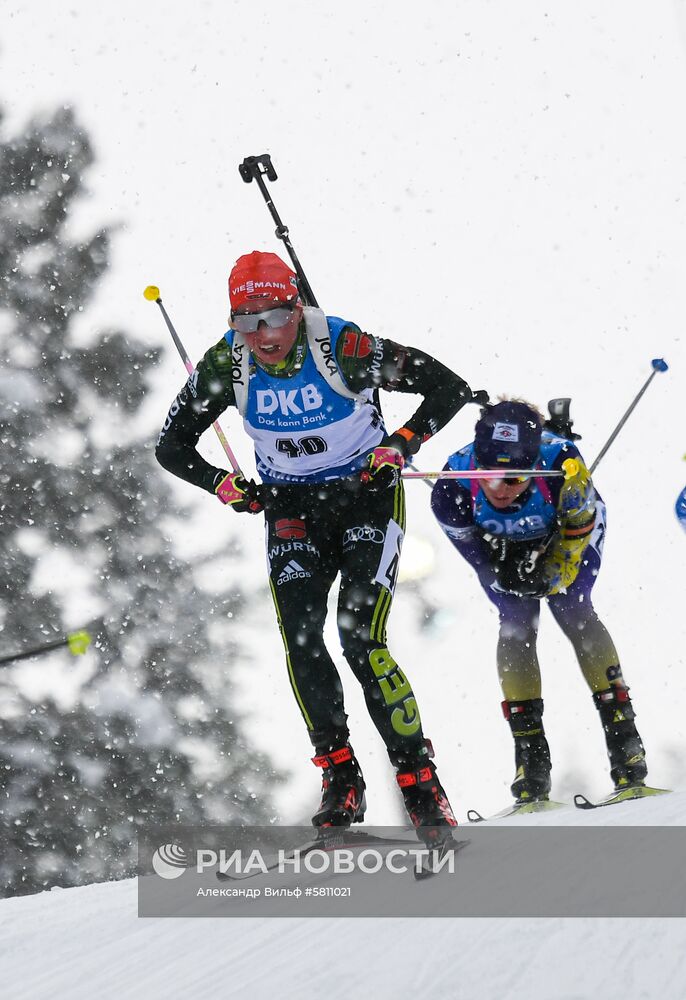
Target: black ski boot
x: 343, y: 800
x: 425, y: 799
x: 624, y: 745
x: 532, y: 754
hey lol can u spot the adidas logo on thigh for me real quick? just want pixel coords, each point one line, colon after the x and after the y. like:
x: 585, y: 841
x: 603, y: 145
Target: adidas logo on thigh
x: 292, y: 571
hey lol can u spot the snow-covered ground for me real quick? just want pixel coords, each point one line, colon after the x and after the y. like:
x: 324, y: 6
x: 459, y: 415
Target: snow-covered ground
x: 76, y: 944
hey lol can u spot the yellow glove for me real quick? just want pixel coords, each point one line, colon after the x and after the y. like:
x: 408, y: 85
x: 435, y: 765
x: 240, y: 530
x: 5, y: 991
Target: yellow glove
x: 576, y: 518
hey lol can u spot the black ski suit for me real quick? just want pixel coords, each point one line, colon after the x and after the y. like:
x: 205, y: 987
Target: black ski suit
x: 319, y: 529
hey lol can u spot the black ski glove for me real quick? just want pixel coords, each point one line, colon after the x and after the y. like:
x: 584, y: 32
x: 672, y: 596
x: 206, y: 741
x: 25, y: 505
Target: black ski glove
x: 531, y: 579
x: 519, y: 568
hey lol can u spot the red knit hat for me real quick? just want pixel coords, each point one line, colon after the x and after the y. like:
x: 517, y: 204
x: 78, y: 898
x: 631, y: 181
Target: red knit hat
x: 261, y: 276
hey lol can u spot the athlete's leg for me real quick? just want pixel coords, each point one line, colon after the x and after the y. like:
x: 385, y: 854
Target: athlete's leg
x: 302, y: 568
x: 372, y: 535
x: 599, y: 662
x: 517, y: 659
x: 371, y: 541
x: 574, y: 613
x: 520, y: 680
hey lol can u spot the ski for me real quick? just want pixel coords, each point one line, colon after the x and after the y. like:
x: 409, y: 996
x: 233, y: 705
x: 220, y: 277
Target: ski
x: 326, y: 842
x: 621, y: 795
x: 516, y: 809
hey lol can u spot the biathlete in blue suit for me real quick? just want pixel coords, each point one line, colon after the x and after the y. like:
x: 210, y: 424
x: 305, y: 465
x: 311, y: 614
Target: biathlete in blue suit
x: 531, y: 538
x: 680, y: 508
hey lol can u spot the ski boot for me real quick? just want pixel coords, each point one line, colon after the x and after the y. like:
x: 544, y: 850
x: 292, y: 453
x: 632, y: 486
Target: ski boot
x: 425, y: 800
x: 624, y: 745
x: 343, y: 799
x: 532, y: 754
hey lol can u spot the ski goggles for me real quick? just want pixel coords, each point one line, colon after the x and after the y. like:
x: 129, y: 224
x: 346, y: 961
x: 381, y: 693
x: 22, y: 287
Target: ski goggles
x: 274, y: 318
x: 507, y: 480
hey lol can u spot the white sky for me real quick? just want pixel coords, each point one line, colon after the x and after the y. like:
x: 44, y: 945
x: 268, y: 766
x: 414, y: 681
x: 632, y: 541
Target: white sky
x: 501, y: 184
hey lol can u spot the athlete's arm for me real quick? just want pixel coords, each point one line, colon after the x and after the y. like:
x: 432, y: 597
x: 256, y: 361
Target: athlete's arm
x: 206, y: 394
x: 451, y: 504
x: 576, y: 504
x: 375, y: 363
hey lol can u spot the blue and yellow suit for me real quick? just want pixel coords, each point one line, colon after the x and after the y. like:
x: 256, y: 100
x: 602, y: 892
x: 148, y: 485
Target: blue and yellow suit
x: 562, y: 521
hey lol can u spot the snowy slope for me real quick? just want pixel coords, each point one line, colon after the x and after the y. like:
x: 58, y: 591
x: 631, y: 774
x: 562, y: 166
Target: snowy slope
x: 77, y: 944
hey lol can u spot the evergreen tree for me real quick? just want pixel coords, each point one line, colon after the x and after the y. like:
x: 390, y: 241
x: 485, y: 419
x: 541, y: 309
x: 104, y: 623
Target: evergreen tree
x: 153, y: 736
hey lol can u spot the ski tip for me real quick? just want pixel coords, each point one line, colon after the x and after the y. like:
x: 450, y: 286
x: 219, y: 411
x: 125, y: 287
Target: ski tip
x: 152, y: 293
x: 475, y: 817
x: 646, y: 791
x: 627, y: 794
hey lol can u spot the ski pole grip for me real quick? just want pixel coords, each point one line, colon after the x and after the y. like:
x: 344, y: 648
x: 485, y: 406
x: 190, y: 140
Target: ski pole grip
x: 253, y: 166
x: 571, y: 468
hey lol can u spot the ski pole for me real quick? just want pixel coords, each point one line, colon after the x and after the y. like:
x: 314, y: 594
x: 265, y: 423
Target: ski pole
x: 570, y: 468
x: 659, y: 365
x: 152, y: 294
x: 77, y: 643
x: 255, y: 168
x: 488, y: 473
